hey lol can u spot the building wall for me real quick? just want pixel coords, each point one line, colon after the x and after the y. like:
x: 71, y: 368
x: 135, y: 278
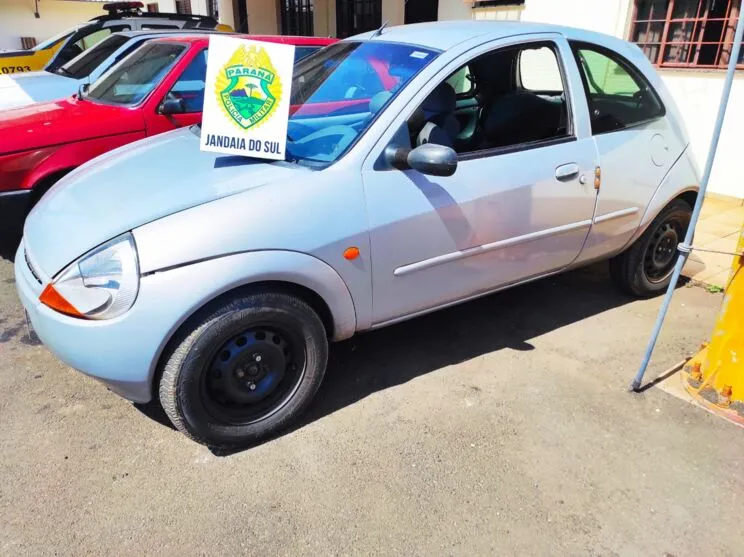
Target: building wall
x: 17, y: 19
x: 168, y: 6
x: 698, y: 94
x: 263, y: 17
x: 454, y: 10
x: 393, y: 11
x: 325, y: 18
x: 605, y: 16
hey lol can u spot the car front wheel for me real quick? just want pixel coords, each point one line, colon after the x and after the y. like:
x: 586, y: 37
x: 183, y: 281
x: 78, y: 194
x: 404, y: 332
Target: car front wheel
x: 645, y: 269
x: 244, y: 370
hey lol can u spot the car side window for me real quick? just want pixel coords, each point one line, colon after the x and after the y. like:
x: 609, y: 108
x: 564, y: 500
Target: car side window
x: 92, y: 39
x: 618, y: 94
x: 538, y: 71
x: 191, y: 84
x: 512, y: 97
x: 461, y: 82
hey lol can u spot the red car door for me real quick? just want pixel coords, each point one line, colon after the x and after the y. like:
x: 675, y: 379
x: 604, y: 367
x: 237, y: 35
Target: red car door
x: 179, y: 98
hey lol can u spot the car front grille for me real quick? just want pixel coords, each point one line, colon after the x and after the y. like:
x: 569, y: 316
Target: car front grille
x: 31, y: 267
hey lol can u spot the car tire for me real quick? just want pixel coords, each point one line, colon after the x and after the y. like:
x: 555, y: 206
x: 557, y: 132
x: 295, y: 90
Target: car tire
x: 244, y: 370
x: 645, y: 269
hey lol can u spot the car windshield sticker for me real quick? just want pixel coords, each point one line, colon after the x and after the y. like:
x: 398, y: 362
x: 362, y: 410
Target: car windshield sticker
x: 246, y: 104
x: 419, y: 54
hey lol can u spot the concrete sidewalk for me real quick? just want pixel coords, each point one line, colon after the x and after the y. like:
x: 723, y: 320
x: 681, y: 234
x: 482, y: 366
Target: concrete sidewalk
x: 718, y: 230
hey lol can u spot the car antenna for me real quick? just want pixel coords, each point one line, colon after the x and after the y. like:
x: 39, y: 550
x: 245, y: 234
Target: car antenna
x: 384, y: 25
x: 380, y: 30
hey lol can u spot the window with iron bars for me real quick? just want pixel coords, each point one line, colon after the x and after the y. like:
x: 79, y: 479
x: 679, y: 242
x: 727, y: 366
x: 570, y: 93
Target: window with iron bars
x: 686, y: 33
x: 212, y: 9
x: 183, y: 6
x: 297, y: 17
x: 357, y: 16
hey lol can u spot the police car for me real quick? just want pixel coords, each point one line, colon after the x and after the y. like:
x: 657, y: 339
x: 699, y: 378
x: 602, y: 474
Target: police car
x: 121, y: 16
x: 18, y: 90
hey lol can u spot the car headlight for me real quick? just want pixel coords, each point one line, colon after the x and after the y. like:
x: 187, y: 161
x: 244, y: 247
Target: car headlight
x: 102, y: 284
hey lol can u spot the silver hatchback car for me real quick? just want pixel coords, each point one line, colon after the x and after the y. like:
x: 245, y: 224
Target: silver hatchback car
x: 426, y: 165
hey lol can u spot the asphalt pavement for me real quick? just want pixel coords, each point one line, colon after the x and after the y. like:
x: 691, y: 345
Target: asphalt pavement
x: 498, y: 427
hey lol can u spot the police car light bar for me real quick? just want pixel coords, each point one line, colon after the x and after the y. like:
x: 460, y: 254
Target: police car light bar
x: 114, y: 8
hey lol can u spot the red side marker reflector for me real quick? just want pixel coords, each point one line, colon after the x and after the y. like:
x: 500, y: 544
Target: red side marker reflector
x: 351, y: 253
x: 50, y: 297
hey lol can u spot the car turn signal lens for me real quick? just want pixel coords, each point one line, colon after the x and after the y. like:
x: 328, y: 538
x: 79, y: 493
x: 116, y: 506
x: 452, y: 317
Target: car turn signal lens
x: 350, y: 254
x: 50, y: 297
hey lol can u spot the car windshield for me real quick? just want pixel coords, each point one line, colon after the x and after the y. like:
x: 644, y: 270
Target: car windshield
x: 337, y: 93
x: 83, y: 65
x: 137, y: 75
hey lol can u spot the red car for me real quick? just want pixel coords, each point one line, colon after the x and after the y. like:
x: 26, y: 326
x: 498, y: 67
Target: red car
x: 158, y: 88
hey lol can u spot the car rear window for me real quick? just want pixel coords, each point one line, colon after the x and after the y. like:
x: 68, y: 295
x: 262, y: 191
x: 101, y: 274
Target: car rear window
x: 619, y: 95
x: 82, y: 66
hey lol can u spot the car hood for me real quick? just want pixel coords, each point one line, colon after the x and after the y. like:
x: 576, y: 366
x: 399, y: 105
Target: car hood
x: 64, y: 121
x: 28, y: 88
x: 134, y: 185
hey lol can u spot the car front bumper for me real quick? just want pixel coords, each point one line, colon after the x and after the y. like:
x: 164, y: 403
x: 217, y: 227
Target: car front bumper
x: 122, y: 352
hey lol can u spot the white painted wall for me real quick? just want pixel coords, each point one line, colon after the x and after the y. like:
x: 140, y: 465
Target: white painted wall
x: 393, y: 11
x: 17, y: 19
x: 697, y: 94
x: 226, y: 15
x: 198, y: 7
x: 605, y: 16
x: 454, y: 10
x: 167, y: 6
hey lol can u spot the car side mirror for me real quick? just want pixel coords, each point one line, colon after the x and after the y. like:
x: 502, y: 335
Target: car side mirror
x: 83, y: 90
x: 430, y: 158
x: 171, y: 106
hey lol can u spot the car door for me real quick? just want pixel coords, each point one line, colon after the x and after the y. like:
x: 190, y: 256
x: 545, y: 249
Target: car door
x: 186, y: 84
x: 635, y: 144
x: 516, y: 208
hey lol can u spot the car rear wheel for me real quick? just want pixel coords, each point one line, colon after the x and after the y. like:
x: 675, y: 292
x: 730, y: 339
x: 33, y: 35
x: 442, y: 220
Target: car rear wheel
x: 645, y: 269
x: 245, y: 370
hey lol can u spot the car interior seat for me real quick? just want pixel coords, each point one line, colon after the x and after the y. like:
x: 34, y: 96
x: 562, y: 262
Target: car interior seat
x: 509, y: 113
x: 438, y: 113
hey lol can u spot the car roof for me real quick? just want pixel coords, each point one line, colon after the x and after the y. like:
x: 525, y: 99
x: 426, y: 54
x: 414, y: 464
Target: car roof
x: 443, y: 35
x: 148, y: 32
x: 284, y: 39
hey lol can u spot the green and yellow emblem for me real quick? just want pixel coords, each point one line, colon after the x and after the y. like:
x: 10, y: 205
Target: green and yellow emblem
x: 248, y: 87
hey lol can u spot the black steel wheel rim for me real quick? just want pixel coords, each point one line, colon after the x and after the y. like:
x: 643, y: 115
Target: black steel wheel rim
x: 253, y: 375
x: 659, y: 258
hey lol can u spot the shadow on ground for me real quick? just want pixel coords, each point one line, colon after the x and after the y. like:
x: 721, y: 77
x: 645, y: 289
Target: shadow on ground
x: 510, y: 319
x: 9, y: 245
x: 392, y: 356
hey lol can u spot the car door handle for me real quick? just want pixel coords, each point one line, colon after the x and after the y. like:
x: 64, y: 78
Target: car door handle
x: 567, y: 172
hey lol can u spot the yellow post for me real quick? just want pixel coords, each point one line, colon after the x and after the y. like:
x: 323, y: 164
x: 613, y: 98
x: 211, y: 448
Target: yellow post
x: 715, y: 375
